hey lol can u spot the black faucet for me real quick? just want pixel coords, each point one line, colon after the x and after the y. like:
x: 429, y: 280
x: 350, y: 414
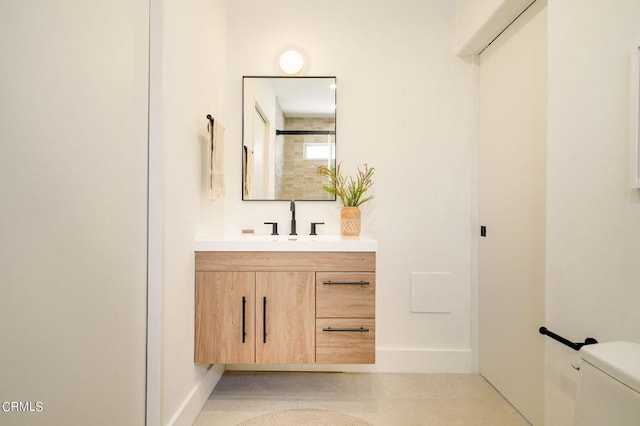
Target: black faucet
x: 274, y: 227
x: 292, y: 207
x: 313, y: 227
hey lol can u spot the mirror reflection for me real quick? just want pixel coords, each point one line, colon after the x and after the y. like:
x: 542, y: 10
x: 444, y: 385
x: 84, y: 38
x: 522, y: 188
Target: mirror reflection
x: 288, y: 131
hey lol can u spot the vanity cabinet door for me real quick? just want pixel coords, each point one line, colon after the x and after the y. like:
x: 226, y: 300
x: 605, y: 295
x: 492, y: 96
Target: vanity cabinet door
x: 225, y: 318
x: 285, y: 317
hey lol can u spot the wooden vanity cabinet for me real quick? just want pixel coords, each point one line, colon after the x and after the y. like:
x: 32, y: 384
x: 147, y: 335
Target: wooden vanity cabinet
x: 276, y: 307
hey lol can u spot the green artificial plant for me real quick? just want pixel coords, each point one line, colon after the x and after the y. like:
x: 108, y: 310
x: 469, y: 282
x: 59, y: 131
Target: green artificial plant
x: 349, y: 189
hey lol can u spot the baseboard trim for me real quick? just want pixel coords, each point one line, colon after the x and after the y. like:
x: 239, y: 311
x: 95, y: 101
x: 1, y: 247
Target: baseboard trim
x: 388, y: 360
x: 401, y: 360
x: 193, y: 403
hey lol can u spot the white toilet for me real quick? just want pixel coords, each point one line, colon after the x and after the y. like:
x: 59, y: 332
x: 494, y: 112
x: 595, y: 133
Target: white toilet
x: 609, y: 386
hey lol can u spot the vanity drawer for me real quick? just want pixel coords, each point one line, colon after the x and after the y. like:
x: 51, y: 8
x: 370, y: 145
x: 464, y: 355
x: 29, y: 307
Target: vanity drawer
x: 340, y: 294
x: 345, y: 341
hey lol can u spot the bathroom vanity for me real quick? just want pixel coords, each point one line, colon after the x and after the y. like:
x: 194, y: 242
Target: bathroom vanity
x: 268, y: 300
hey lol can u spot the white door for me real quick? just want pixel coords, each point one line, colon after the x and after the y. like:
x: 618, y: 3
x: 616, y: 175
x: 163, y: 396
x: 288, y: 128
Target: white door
x: 512, y: 139
x: 260, y: 155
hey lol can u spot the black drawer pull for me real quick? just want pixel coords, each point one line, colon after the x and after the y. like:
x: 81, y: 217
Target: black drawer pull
x: 345, y: 282
x: 360, y: 330
x: 244, y: 314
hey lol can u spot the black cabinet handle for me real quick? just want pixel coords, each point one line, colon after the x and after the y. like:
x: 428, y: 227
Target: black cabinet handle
x: 360, y: 330
x: 244, y: 311
x: 345, y: 282
x: 264, y: 319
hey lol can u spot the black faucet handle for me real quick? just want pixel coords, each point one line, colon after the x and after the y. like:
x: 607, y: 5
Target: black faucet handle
x: 313, y: 227
x: 274, y: 227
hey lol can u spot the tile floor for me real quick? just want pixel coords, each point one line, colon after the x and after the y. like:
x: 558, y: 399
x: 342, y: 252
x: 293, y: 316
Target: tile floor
x: 380, y: 399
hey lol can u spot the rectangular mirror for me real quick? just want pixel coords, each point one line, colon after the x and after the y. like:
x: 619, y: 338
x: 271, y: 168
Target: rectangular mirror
x: 288, y: 131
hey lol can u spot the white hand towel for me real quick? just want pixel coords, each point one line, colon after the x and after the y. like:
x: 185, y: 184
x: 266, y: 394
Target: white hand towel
x: 216, y: 161
x: 248, y: 173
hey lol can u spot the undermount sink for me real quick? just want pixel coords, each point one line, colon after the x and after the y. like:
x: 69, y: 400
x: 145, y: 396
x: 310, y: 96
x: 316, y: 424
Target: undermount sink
x: 287, y: 243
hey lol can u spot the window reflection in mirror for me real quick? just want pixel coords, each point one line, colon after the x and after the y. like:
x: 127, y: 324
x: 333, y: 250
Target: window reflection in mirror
x: 289, y: 130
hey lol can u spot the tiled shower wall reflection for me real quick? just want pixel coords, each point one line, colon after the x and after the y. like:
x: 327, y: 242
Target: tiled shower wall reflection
x: 300, y: 178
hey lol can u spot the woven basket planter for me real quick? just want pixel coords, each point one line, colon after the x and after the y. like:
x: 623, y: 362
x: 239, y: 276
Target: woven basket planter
x: 350, y: 217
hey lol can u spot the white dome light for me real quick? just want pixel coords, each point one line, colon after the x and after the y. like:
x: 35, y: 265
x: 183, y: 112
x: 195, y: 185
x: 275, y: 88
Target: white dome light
x: 291, y: 62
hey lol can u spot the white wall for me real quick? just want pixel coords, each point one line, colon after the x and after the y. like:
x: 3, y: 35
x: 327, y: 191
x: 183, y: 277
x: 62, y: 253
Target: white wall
x: 193, y: 70
x: 404, y: 107
x: 593, y: 216
x: 73, y: 155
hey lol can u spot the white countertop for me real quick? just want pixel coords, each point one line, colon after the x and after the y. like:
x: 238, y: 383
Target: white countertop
x: 287, y: 243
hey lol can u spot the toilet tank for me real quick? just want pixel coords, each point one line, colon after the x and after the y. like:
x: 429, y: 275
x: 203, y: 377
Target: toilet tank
x: 609, y: 387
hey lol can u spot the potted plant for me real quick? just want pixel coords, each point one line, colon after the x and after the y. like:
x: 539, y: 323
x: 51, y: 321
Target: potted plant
x: 351, y: 191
